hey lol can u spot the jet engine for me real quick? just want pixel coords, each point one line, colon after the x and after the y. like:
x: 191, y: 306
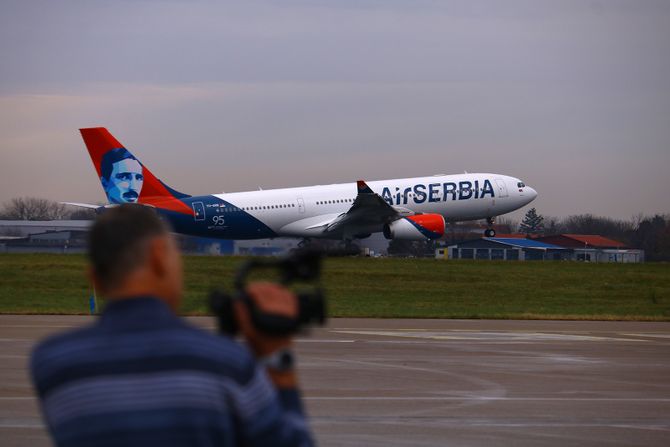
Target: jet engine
x: 416, y: 228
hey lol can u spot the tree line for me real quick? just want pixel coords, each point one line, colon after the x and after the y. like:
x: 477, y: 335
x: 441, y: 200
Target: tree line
x: 649, y: 233
x: 34, y: 208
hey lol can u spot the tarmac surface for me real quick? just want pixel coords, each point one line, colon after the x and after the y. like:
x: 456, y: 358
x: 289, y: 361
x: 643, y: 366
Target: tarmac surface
x: 437, y: 382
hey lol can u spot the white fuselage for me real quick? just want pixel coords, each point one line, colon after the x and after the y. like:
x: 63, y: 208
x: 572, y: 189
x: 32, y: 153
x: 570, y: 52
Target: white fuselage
x: 297, y: 212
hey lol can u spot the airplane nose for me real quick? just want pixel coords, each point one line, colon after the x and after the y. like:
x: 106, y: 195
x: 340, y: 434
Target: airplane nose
x: 531, y: 192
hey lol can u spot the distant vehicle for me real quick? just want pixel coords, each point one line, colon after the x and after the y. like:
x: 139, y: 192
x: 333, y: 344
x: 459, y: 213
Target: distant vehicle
x: 407, y: 209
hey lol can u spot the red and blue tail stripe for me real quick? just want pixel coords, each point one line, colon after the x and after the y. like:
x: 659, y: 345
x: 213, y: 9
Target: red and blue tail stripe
x: 124, y: 178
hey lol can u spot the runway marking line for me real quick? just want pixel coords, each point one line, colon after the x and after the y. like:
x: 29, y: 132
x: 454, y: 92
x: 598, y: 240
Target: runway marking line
x: 39, y: 325
x: 649, y: 335
x: 452, y: 398
x: 490, y: 398
x: 486, y: 335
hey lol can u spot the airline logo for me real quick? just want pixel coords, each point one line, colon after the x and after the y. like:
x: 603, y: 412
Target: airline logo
x: 439, y: 192
x: 123, y: 178
x: 121, y: 175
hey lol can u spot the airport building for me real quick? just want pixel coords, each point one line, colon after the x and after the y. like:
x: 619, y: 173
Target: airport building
x: 561, y: 247
x: 57, y: 236
x: 504, y: 249
x: 69, y: 236
x: 594, y: 248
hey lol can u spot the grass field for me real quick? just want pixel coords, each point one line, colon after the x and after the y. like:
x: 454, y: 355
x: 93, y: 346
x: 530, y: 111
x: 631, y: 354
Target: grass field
x: 364, y: 287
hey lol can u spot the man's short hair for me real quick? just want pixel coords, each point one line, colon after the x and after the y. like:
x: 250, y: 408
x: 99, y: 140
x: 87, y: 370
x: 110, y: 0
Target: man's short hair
x: 111, y: 157
x: 118, y: 241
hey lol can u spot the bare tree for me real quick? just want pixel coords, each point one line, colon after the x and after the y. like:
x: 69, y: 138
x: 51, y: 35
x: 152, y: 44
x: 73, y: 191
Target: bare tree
x: 33, y: 208
x: 507, y: 225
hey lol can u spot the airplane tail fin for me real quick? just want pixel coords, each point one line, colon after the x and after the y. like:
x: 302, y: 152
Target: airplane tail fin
x: 124, y: 178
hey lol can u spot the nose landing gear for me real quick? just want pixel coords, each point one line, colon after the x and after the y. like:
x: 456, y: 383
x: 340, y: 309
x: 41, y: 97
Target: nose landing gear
x: 490, y: 232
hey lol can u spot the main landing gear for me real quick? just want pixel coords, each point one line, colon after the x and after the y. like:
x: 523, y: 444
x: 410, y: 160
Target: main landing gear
x: 490, y: 232
x: 350, y: 248
x: 305, y: 243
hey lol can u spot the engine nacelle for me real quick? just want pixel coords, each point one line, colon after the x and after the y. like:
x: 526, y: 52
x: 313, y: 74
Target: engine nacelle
x: 416, y: 228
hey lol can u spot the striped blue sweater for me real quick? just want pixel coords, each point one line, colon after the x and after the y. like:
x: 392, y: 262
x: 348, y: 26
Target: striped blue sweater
x: 141, y: 376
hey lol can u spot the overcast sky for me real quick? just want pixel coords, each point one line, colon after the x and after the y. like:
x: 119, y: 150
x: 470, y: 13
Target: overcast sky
x: 572, y: 97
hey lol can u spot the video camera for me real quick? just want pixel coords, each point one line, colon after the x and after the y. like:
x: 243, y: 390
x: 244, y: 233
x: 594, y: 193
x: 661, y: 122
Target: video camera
x: 302, y: 266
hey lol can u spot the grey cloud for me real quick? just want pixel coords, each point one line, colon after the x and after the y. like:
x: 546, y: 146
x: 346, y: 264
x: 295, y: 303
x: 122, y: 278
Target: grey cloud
x: 572, y: 96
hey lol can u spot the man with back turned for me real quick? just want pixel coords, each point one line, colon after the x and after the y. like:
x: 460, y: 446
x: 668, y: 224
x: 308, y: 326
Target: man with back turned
x: 141, y: 376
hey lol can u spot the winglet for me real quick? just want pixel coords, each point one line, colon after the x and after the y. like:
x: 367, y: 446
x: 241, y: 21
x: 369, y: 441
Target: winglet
x: 363, y: 187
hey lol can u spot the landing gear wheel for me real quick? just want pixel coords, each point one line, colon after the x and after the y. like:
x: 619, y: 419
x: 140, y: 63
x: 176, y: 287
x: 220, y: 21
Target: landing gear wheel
x: 350, y: 248
x: 490, y: 232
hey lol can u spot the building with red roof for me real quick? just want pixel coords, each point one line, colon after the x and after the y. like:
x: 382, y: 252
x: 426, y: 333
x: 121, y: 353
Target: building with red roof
x: 559, y: 247
x: 581, y: 241
x: 595, y: 248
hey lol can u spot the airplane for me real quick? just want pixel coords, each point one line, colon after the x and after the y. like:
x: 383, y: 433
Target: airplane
x: 414, y: 209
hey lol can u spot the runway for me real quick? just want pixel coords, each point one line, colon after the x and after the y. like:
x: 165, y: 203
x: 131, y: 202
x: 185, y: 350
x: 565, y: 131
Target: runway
x: 371, y: 382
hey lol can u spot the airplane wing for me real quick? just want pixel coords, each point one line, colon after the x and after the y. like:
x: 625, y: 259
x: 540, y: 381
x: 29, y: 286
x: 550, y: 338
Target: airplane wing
x: 368, y: 210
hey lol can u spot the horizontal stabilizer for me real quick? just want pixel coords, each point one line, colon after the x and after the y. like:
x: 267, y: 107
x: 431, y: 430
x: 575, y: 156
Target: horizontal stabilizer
x: 89, y: 206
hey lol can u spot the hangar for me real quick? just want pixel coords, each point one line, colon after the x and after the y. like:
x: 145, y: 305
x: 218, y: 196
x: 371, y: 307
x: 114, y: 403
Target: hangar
x: 595, y: 248
x: 508, y: 249
x: 573, y: 247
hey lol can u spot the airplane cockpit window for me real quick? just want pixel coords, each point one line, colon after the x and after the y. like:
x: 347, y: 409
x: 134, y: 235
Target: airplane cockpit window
x: 521, y: 185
